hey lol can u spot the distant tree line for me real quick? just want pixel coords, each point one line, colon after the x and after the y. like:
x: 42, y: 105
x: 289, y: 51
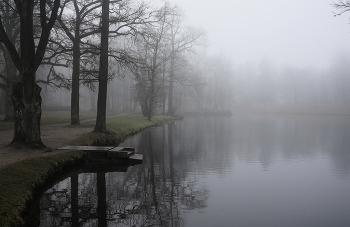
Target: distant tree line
x: 265, y: 84
x: 66, y: 44
x: 118, y: 55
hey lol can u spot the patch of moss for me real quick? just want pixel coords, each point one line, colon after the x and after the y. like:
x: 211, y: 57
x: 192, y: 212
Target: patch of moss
x: 19, y: 181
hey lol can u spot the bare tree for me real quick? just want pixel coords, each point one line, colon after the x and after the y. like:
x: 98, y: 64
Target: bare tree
x: 150, y: 50
x: 341, y: 6
x: 77, y: 28
x: 181, y: 40
x: 83, y: 29
x: 26, y: 96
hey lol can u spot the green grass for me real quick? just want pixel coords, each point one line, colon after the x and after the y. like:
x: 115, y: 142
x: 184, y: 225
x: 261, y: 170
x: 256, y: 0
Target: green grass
x: 119, y: 128
x: 57, y: 117
x: 52, y: 117
x: 19, y: 181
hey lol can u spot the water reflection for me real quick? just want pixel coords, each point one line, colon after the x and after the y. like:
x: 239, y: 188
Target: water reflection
x: 246, y: 170
x: 288, y: 138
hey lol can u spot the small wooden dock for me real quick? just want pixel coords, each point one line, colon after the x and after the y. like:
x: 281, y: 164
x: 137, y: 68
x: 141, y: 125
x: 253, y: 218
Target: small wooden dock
x: 106, y: 154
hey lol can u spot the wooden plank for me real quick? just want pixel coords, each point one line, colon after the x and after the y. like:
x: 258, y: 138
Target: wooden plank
x: 86, y: 148
x: 121, y: 152
x: 105, y: 154
x: 136, y: 158
x: 124, y: 149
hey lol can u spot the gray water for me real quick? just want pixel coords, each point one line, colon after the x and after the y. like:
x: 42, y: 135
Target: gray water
x: 208, y: 171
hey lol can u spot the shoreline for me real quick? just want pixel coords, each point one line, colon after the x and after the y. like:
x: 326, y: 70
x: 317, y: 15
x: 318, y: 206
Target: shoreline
x: 28, y: 170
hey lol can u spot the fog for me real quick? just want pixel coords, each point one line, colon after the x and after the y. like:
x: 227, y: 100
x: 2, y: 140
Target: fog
x: 263, y: 88
x: 249, y: 53
x: 300, y: 33
x: 274, y: 52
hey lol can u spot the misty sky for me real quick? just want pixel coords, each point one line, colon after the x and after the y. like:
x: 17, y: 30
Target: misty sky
x: 300, y: 33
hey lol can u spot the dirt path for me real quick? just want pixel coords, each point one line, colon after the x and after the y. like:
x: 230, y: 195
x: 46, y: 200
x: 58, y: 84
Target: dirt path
x: 53, y: 136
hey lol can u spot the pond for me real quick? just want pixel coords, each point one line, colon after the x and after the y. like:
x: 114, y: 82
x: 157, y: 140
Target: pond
x: 211, y: 171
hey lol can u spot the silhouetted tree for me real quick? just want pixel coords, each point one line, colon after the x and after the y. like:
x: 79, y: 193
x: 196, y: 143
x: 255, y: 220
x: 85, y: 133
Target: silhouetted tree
x: 26, y: 96
x: 152, y: 54
x: 78, y: 28
x: 181, y: 40
x: 103, y: 71
x: 83, y: 29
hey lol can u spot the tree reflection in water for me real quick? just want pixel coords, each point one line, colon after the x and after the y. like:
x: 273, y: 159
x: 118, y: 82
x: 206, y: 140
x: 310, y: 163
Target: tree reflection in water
x: 155, y: 193
x: 185, y: 159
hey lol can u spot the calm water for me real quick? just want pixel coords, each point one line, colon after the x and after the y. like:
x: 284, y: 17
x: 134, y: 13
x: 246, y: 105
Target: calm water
x: 238, y: 171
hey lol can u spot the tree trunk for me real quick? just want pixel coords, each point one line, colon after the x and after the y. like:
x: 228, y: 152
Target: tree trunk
x: 171, y: 75
x: 11, y: 72
x: 75, y: 95
x: 101, y: 199
x: 27, y: 117
x: 9, y: 112
x: 103, y: 71
x: 171, y: 88
x: 74, y: 182
x: 164, y: 93
x: 75, y: 105
x: 26, y: 96
x: 152, y: 86
x: 151, y: 100
x: 2, y: 101
x: 171, y: 167
x: 92, y: 100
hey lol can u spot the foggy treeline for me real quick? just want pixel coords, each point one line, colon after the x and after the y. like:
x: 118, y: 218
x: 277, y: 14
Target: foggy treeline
x: 158, y: 63
x: 218, y: 84
x: 265, y: 83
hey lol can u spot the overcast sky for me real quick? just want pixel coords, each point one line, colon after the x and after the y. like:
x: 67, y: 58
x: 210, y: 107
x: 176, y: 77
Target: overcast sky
x: 301, y: 33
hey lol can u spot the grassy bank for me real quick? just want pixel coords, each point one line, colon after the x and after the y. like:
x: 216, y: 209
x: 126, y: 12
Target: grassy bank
x: 19, y: 181
x: 119, y: 128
